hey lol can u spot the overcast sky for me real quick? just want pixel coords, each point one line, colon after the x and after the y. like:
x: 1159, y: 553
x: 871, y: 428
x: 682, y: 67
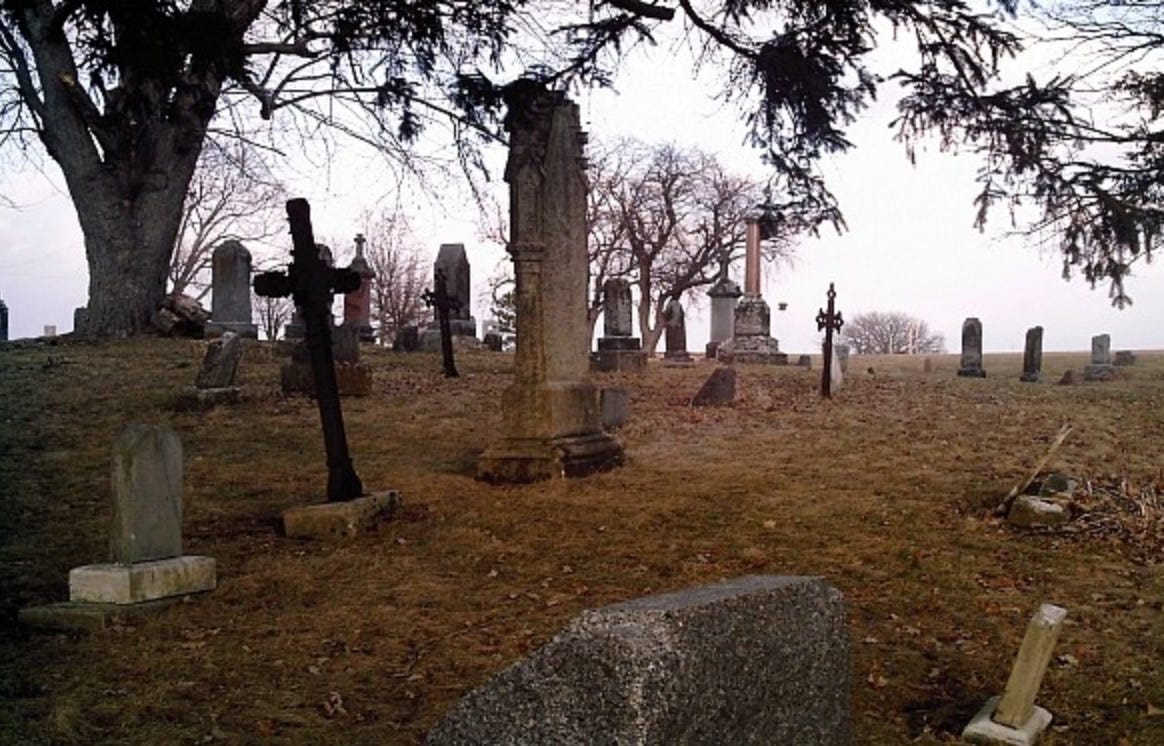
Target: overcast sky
x: 910, y: 244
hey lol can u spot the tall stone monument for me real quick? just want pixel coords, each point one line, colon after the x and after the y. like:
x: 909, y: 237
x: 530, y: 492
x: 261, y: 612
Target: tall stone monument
x: 617, y: 348
x: 3, y: 321
x: 1033, y: 355
x: 725, y: 295
x: 971, y: 361
x: 675, y: 335
x: 230, y: 301
x: 552, y: 420
x: 454, y: 263
x: 358, y: 303
x: 1100, y: 368
x: 752, y: 341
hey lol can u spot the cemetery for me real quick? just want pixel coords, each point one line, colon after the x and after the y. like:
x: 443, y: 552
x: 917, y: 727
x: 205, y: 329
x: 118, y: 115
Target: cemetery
x: 886, y: 493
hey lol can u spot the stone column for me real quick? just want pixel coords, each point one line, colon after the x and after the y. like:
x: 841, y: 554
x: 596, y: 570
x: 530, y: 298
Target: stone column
x: 617, y: 348
x: 358, y: 303
x: 551, y: 414
x: 230, y: 301
x: 724, y: 294
x: 971, y: 361
x: 1033, y: 355
x: 751, y: 340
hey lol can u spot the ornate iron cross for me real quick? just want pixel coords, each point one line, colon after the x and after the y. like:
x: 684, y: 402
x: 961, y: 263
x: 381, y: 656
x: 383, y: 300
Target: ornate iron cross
x: 830, y: 321
x: 312, y: 284
x: 444, y: 304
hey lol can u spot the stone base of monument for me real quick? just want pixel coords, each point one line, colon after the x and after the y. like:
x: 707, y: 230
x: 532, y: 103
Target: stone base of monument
x: 215, y: 329
x: 752, y: 349
x: 87, y: 617
x: 430, y: 337
x: 1098, y: 372
x: 521, y: 460
x: 982, y: 729
x: 1029, y: 377
x: 971, y: 372
x: 677, y: 360
x: 618, y: 361
x: 340, y: 519
x: 195, y: 399
x: 353, y: 379
x: 112, y: 583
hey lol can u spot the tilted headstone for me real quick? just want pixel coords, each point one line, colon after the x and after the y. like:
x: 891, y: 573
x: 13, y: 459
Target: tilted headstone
x: 675, y: 335
x: 718, y: 390
x: 220, y: 363
x: 552, y: 421
x: 758, y: 659
x: 1100, y: 368
x: 1033, y: 355
x: 230, y: 282
x: 617, y: 348
x: 725, y: 295
x: 358, y: 303
x: 971, y: 361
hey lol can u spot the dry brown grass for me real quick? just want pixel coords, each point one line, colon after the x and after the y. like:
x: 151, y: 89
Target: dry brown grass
x: 885, y: 491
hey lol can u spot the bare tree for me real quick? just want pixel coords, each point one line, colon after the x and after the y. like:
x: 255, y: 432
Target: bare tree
x: 273, y: 314
x: 394, y: 255
x: 891, y: 333
x: 231, y: 196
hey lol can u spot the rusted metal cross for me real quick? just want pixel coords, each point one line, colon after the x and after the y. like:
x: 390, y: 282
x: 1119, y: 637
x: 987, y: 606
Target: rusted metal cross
x: 830, y: 321
x: 440, y: 299
x: 312, y: 284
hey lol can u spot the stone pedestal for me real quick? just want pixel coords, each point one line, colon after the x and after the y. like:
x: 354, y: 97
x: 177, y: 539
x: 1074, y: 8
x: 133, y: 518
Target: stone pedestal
x: 552, y: 423
x: 983, y: 730
x: 114, y: 583
x: 340, y: 519
x: 752, y: 342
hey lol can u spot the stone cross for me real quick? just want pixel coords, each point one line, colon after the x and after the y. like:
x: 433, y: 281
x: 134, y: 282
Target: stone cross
x: 445, y: 306
x: 358, y: 303
x: 1033, y: 355
x: 230, y: 300
x: 312, y: 284
x: 971, y: 361
x: 552, y: 424
x: 830, y: 321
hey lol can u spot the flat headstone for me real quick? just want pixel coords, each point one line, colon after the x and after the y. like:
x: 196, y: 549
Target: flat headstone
x: 758, y: 659
x: 220, y: 362
x: 718, y: 390
x: 147, y: 495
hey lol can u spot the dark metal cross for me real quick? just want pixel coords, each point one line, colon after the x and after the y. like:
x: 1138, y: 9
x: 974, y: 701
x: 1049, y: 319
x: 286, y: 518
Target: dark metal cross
x: 830, y: 321
x: 444, y: 304
x: 312, y: 284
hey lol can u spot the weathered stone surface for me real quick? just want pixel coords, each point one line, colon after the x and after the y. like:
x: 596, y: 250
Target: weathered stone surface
x: 718, y: 390
x: 615, y: 403
x: 90, y: 617
x: 141, y: 581
x: 675, y: 334
x: 804, y: 361
x: 195, y: 399
x: 1017, y: 705
x: 725, y: 295
x: 983, y: 730
x: 622, y: 361
x: 181, y: 315
x: 971, y: 360
x: 341, y: 519
x: 751, y: 342
x: 358, y: 303
x: 842, y: 351
x: 230, y: 299
x: 1099, y: 372
x: 147, y: 495
x: 454, y: 262
x: 1033, y: 355
x: 552, y: 421
x: 1125, y: 357
x: 1031, y: 510
x: 353, y: 379
x: 836, y: 374
x: 616, y: 311
x: 754, y: 660
x: 220, y: 363
x: 1101, y: 349
x: 345, y: 343
x: 1069, y: 378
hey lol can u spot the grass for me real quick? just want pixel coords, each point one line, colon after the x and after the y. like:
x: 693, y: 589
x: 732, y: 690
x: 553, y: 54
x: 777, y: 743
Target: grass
x: 886, y: 492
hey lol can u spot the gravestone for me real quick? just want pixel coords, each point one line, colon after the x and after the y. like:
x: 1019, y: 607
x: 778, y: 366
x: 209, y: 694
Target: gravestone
x: 147, y: 566
x: 835, y: 373
x: 751, y: 340
x: 615, y: 402
x: 1033, y: 355
x: 804, y: 361
x: 551, y: 419
x: 725, y: 295
x: 50, y: 330
x: 1100, y: 368
x: 453, y: 262
x: 80, y: 320
x: 1125, y: 357
x: 675, y: 336
x: 353, y: 378
x: 3, y: 321
x: 358, y: 303
x: 214, y: 383
x: 971, y: 362
x: 758, y: 659
x: 230, y: 283
x: 718, y: 390
x: 617, y: 348
x: 494, y: 342
x: 842, y: 350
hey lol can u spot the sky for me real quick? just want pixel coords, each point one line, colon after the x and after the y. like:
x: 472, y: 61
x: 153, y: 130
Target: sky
x: 910, y: 245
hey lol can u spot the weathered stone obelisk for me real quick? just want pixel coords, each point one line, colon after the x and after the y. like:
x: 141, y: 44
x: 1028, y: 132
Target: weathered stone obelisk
x: 752, y: 341
x: 551, y: 411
